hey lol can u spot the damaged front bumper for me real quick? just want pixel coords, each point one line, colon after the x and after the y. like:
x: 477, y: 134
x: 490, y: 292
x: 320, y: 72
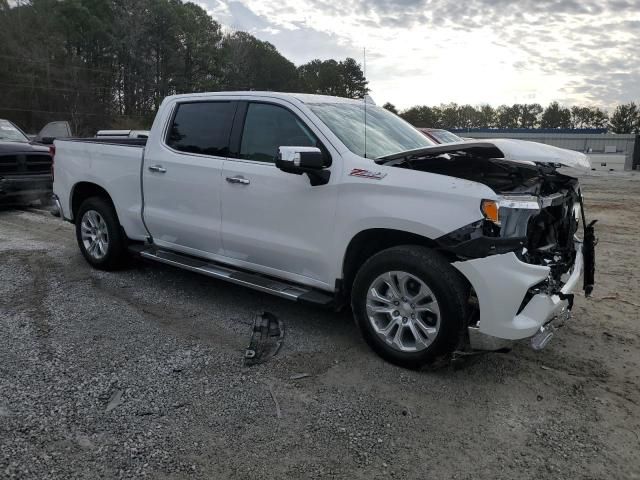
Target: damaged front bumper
x: 501, y: 283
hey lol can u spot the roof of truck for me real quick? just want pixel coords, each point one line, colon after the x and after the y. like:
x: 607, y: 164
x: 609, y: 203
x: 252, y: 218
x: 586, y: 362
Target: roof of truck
x: 301, y: 97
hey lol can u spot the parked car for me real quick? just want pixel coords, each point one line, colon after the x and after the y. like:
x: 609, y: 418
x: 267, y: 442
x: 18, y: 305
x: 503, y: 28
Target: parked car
x: 25, y: 167
x: 51, y: 131
x: 440, y: 136
x: 435, y: 248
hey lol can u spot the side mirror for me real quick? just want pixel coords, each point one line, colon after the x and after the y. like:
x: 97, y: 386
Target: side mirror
x: 299, y: 160
x: 302, y: 157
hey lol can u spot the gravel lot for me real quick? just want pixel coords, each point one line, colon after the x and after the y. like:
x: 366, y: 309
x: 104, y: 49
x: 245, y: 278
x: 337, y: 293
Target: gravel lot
x: 139, y: 374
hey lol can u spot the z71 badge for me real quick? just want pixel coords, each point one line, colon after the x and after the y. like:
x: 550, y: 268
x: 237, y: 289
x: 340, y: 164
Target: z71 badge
x: 361, y: 172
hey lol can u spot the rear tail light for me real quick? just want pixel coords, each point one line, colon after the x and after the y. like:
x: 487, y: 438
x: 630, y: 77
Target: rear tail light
x: 52, y: 152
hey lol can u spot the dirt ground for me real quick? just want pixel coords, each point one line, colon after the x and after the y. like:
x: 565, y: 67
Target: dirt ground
x: 139, y: 374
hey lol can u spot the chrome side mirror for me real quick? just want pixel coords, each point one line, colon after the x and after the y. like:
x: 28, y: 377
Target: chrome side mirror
x: 299, y: 160
x: 303, y: 157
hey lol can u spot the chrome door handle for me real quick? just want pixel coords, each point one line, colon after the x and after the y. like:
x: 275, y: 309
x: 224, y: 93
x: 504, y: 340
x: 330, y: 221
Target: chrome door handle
x: 157, y: 168
x: 239, y: 179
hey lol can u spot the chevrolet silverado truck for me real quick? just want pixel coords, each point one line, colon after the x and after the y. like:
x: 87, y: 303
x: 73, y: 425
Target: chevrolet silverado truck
x: 437, y: 249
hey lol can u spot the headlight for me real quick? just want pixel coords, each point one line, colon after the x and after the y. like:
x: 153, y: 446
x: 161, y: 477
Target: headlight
x: 491, y: 208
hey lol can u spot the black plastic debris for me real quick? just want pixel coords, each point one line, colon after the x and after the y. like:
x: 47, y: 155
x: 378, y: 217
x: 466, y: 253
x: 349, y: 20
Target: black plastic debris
x: 266, y: 339
x: 589, y: 255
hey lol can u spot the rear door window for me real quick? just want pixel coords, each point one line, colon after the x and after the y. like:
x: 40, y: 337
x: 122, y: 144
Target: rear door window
x: 268, y: 127
x: 202, y: 127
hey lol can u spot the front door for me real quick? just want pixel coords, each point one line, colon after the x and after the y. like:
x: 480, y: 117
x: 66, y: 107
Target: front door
x: 274, y: 221
x: 182, y: 178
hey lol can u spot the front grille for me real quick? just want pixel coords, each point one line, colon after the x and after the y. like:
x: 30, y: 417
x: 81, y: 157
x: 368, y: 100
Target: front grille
x: 25, y: 164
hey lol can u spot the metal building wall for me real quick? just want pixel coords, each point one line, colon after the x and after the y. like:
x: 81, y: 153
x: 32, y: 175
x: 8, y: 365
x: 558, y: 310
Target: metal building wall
x: 599, y: 146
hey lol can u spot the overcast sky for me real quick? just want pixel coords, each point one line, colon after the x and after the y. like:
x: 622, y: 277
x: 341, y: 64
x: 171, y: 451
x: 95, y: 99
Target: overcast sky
x: 472, y: 51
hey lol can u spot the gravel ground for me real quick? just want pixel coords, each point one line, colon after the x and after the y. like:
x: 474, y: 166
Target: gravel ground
x: 139, y: 374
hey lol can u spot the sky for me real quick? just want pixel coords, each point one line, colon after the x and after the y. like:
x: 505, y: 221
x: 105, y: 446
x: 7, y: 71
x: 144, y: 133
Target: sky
x: 429, y: 52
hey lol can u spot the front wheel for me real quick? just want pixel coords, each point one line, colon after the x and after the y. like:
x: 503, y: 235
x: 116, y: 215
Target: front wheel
x: 100, y: 237
x: 410, y: 305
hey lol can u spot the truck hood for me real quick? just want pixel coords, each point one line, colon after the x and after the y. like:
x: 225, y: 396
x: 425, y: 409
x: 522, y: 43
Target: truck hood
x: 517, y: 151
x: 12, y: 148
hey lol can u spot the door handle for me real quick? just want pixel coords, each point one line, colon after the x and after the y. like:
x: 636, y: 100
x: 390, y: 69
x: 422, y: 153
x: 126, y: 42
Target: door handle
x: 157, y: 168
x: 238, y: 179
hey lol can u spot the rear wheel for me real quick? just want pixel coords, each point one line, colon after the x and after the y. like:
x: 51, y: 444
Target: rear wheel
x: 409, y: 303
x: 100, y: 237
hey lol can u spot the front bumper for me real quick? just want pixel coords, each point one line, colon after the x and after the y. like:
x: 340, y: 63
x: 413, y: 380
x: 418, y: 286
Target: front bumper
x: 501, y: 283
x: 26, y: 186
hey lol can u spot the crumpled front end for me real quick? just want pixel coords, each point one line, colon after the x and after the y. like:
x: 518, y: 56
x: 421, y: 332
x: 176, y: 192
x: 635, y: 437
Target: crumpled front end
x: 514, y: 297
x: 524, y: 267
x: 523, y: 258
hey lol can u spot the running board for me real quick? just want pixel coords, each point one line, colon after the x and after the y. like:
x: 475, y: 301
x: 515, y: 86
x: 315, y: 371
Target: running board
x: 262, y: 283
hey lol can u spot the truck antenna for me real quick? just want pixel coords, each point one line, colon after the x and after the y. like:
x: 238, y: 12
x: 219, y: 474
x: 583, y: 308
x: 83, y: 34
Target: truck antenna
x: 364, y: 98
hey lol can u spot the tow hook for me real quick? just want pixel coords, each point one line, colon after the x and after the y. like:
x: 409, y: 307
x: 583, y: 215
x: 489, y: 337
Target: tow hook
x: 544, y: 335
x: 542, y: 338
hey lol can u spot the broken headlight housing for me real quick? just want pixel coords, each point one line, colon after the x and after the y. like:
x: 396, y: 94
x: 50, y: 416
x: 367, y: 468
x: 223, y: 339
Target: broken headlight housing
x: 511, y: 213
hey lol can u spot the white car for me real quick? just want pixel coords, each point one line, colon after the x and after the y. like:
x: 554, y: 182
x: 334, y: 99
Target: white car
x: 435, y: 248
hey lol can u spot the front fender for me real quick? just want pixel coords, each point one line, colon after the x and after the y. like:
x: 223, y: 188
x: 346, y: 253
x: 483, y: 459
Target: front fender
x: 420, y: 203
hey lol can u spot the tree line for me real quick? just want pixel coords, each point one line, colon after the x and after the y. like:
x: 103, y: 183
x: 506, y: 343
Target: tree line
x: 109, y: 63
x: 624, y: 119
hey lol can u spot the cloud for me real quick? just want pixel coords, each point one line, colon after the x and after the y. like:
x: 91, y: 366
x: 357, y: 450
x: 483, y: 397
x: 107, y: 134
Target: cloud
x: 476, y: 51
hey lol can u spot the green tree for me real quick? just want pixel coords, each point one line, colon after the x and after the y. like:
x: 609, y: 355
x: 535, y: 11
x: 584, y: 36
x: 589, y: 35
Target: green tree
x: 486, y: 116
x: 251, y: 64
x: 528, y: 114
x: 352, y: 83
x: 469, y: 117
x: 556, y: 116
x: 423, y: 116
x: 507, y: 116
x: 330, y: 77
x: 579, y: 117
x: 450, y: 115
x: 626, y: 119
x: 598, y: 118
x: 200, y: 56
x: 391, y: 107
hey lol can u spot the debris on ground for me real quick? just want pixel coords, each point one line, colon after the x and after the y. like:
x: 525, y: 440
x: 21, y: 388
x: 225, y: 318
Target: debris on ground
x: 114, y: 401
x: 275, y: 400
x: 266, y: 339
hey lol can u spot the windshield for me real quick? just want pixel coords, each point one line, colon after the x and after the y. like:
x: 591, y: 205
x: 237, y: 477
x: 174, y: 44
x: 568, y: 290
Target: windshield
x: 386, y: 133
x: 9, y: 132
x: 443, y: 136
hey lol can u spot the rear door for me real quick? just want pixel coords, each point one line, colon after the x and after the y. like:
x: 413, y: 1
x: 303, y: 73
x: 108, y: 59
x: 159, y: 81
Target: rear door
x: 182, y: 177
x: 273, y: 221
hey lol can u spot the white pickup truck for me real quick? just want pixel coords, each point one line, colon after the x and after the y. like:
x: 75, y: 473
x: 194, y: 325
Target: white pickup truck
x: 436, y: 248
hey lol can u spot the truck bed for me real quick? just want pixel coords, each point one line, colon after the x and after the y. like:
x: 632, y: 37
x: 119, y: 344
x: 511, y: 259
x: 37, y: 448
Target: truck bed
x: 112, y: 164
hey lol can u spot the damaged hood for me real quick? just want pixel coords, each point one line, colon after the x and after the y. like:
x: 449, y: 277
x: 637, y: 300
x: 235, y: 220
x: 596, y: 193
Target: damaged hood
x: 518, y: 151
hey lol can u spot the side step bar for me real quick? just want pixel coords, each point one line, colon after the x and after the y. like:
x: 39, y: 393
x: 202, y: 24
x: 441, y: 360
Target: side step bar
x: 259, y: 282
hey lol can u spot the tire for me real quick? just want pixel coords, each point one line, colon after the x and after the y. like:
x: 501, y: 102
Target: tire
x: 420, y: 332
x: 109, y: 250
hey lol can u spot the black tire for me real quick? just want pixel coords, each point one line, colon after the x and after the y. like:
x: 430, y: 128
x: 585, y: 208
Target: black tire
x: 439, y: 276
x: 116, y: 250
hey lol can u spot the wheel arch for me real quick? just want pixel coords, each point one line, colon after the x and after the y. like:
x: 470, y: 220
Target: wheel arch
x: 83, y: 190
x: 368, y: 242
